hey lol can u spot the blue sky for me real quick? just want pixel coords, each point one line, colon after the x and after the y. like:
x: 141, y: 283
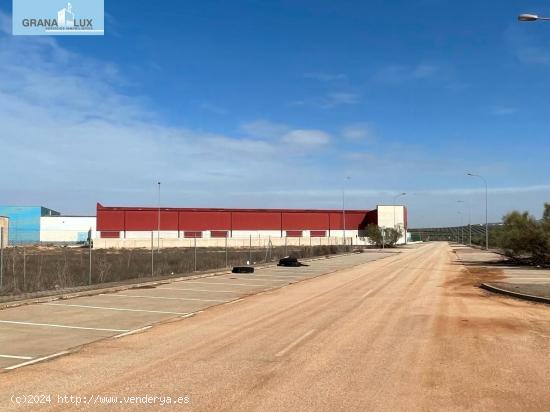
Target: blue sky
x: 274, y: 103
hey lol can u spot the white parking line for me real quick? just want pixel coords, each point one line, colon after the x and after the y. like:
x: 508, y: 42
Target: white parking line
x: 16, y: 357
x: 296, y: 342
x: 201, y: 290
x: 270, y: 277
x: 52, y: 325
x: 255, y: 280
x: 131, y: 332
x: 55, y: 355
x: 118, y: 309
x: 224, y: 283
x: 161, y: 297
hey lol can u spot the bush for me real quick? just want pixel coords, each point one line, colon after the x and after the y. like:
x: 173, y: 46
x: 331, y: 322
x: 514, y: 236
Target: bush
x: 523, y: 236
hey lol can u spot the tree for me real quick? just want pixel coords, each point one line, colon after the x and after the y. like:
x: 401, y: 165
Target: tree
x: 386, y: 237
x: 523, y: 236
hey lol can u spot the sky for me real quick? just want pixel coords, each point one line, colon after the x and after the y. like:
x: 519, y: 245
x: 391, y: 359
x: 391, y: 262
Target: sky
x: 282, y: 104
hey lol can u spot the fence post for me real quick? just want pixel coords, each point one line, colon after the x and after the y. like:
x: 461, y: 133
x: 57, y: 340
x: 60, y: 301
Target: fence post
x: 24, y: 268
x: 152, y: 255
x: 195, y: 258
x: 1, y: 256
x: 250, y: 250
x: 285, y: 246
x: 90, y: 262
x: 226, y: 262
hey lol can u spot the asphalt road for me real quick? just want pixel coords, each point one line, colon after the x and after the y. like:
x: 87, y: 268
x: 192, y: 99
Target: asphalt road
x: 409, y: 332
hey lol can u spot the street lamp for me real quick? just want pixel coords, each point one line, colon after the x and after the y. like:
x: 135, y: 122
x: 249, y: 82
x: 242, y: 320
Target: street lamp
x: 394, y: 201
x: 526, y: 17
x: 344, y: 206
x: 486, y: 218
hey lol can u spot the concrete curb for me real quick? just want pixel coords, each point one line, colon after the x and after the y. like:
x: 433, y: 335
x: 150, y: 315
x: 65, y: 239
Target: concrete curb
x: 518, y: 295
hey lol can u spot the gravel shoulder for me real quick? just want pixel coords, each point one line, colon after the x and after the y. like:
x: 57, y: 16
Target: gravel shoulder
x: 496, y: 270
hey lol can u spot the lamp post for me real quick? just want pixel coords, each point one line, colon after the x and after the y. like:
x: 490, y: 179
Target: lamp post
x: 526, y: 17
x: 486, y: 218
x: 158, y: 220
x: 344, y: 207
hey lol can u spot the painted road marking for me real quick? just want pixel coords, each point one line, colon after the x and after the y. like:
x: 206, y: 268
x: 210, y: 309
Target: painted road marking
x: 201, y: 290
x: 257, y: 280
x: 224, y: 283
x: 269, y: 277
x: 119, y: 309
x: 366, y: 294
x: 234, y: 301
x: 52, y: 325
x: 161, y: 297
x: 19, y: 365
x: 296, y: 342
x: 131, y: 332
x: 16, y: 357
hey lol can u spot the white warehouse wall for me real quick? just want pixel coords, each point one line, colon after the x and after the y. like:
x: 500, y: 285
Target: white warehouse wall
x: 66, y: 228
x: 392, y: 216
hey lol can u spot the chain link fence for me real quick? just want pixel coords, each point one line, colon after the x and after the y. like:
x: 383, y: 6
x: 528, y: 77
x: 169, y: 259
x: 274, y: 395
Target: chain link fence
x: 28, y: 269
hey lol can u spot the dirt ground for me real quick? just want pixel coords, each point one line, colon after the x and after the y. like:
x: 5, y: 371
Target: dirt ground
x: 408, y: 332
x: 497, y: 270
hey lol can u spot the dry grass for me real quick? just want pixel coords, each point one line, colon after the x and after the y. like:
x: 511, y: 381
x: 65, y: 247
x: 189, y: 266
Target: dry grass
x: 35, y: 269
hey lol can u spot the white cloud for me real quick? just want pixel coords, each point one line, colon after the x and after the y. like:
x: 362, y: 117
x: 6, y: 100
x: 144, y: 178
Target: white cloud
x: 502, y: 110
x: 325, y: 77
x: 330, y: 101
x: 213, y: 108
x: 403, y: 73
x: 71, y: 137
x: 307, y: 138
x: 265, y: 129
x: 358, y: 132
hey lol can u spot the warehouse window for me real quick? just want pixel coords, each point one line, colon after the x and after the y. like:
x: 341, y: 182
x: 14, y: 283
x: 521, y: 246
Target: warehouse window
x: 218, y: 233
x: 318, y: 233
x: 192, y: 234
x: 294, y: 233
x: 110, y: 235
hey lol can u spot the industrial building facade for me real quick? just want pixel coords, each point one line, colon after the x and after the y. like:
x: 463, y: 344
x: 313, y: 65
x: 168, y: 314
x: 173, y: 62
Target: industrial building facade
x: 24, y: 222
x: 120, y: 227
x: 187, y: 223
x: 133, y: 222
x: 29, y: 225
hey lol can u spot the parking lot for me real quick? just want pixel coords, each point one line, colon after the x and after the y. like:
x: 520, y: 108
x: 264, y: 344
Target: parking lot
x: 36, y: 332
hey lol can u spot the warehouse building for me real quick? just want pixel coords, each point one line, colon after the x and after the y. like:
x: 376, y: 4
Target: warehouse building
x: 30, y: 225
x: 135, y: 226
x: 24, y: 221
x: 67, y: 229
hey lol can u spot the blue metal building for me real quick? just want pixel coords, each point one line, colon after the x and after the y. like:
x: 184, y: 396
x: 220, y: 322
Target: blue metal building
x: 24, y: 225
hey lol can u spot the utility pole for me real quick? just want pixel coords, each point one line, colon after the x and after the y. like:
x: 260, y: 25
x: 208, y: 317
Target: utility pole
x: 344, y: 207
x: 158, y: 221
